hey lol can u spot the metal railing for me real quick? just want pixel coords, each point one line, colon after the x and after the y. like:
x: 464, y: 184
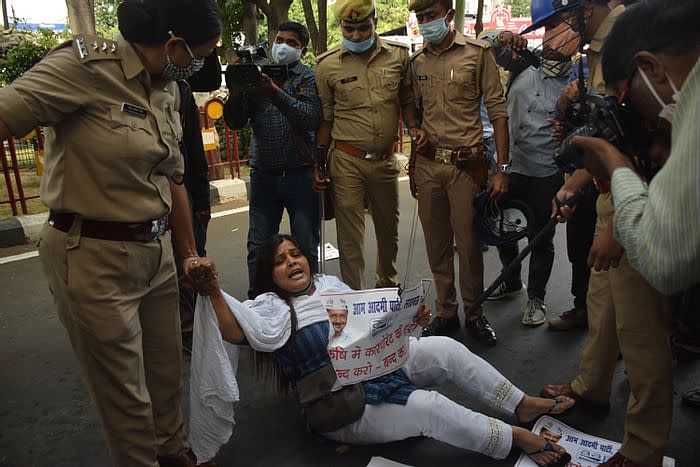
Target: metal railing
x: 18, y: 151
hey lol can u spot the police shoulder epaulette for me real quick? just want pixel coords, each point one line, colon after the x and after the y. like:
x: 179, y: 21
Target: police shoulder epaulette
x: 478, y: 42
x: 327, y: 54
x: 417, y: 54
x: 396, y: 43
x: 90, y: 48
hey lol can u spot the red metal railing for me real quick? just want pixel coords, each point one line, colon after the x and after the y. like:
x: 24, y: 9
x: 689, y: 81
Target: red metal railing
x: 12, y: 168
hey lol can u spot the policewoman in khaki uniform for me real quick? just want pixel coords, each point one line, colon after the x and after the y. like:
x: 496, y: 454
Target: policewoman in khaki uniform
x: 365, y: 87
x: 451, y: 74
x: 113, y: 181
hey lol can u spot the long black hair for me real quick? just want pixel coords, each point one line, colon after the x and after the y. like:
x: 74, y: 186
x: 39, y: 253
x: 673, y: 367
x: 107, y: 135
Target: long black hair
x: 265, y: 366
x: 149, y: 21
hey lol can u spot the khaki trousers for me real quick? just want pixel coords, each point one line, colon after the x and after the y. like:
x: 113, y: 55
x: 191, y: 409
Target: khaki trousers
x: 353, y: 179
x: 446, y: 210
x: 119, y: 304
x: 626, y: 315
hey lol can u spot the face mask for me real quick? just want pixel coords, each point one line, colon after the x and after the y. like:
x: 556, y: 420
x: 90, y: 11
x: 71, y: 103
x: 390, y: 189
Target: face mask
x: 667, y: 110
x: 434, y: 31
x: 358, y: 47
x: 284, y: 54
x: 172, y: 72
x: 555, y: 68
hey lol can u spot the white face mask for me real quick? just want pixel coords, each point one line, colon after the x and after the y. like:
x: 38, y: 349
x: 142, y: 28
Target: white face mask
x: 284, y: 54
x: 667, y: 110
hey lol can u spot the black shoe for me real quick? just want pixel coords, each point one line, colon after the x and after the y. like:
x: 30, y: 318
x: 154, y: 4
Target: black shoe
x: 480, y: 329
x: 692, y: 398
x: 441, y: 326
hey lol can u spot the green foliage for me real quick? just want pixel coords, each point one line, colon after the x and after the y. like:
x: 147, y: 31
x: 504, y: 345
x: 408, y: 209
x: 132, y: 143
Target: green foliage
x: 519, y: 8
x: 106, y: 23
x: 33, y: 47
x: 233, y: 17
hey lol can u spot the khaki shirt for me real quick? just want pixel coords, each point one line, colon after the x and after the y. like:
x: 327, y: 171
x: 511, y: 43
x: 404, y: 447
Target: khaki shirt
x: 595, y: 50
x: 363, y: 99
x: 111, y: 131
x: 450, y: 87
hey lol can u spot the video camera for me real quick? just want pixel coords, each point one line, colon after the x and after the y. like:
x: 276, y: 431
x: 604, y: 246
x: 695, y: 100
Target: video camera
x: 601, y: 118
x: 247, y: 74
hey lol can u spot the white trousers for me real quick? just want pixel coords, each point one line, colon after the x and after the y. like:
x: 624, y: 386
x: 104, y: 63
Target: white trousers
x: 434, y: 361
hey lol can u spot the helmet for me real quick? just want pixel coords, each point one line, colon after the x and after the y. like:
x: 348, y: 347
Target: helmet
x: 542, y: 10
x: 500, y: 222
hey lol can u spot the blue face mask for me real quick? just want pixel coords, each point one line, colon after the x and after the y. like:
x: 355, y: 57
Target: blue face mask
x: 434, y: 31
x: 172, y: 72
x: 358, y: 47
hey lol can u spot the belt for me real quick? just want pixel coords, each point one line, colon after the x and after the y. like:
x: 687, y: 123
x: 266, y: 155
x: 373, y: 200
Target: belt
x: 351, y: 150
x: 449, y: 155
x: 114, y: 231
x: 281, y: 172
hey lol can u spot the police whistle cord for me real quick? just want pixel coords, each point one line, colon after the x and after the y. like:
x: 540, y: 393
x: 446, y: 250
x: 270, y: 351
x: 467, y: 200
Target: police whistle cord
x: 321, y: 165
x: 508, y: 269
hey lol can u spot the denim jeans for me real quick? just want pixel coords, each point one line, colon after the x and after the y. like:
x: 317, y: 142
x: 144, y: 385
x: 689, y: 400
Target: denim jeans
x: 271, y: 193
x: 537, y: 193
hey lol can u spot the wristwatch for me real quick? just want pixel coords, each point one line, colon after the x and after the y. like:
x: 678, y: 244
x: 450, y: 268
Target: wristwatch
x: 503, y: 168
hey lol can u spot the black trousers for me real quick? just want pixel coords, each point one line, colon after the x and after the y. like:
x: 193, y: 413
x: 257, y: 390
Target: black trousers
x: 537, y: 193
x: 579, y: 239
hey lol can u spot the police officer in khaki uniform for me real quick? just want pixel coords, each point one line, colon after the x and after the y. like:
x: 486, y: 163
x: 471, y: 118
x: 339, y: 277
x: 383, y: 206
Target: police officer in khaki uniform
x: 365, y: 87
x: 113, y: 181
x: 451, y: 74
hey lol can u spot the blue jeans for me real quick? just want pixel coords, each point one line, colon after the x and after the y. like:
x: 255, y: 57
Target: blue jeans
x: 272, y: 192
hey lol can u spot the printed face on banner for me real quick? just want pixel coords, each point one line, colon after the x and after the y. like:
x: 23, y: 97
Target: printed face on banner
x: 371, y: 330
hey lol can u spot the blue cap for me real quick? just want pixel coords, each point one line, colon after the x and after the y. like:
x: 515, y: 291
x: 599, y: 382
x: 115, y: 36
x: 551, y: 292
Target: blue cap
x: 542, y: 10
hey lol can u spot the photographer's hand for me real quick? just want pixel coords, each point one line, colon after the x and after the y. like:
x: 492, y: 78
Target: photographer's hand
x: 601, y: 158
x: 267, y: 89
x: 579, y: 179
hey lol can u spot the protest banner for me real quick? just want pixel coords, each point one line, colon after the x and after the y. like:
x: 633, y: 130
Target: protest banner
x: 371, y: 330
x: 585, y: 450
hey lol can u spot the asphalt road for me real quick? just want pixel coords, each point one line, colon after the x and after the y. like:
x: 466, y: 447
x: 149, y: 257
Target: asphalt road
x: 46, y: 418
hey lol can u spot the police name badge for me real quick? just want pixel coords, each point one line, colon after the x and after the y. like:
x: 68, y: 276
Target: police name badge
x: 422, y: 77
x: 134, y: 110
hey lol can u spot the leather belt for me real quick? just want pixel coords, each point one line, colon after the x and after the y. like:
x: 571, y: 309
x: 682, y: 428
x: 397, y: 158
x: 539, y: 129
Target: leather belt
x: 351, y: 150
x: 114, y: 231
x: 449, y: 155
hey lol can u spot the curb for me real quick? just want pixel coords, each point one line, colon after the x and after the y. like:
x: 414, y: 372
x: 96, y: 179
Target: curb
x: 21, y: 230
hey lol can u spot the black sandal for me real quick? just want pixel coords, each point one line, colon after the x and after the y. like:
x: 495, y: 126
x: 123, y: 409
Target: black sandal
x: 564, y: 459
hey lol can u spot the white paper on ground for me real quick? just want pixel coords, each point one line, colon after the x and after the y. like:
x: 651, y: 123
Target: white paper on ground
x: 330, y: 251
x: 586, y: 450
x: 377, y: 461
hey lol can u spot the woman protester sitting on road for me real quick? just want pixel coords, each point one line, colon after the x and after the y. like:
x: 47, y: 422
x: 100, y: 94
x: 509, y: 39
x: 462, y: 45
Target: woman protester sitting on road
x: 113, y: 180
x: 289, y: 321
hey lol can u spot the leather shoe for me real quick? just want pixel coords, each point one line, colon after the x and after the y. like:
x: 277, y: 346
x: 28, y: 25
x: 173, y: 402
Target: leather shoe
x: 440, y: 326
x: 692, y: 398
x: 481, y: 329
x: 184, y: 460
x: 618, y: 460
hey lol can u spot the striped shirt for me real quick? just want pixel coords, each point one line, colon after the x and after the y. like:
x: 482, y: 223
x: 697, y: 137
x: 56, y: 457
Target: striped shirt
x: 659, y: 225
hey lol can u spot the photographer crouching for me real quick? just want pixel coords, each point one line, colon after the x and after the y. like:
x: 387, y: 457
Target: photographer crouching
x: 283, y: 116
x: 658, y: 76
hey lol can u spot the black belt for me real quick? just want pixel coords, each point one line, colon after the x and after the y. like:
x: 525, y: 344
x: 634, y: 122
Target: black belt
x: 281, y: 172
x: 114, y: 231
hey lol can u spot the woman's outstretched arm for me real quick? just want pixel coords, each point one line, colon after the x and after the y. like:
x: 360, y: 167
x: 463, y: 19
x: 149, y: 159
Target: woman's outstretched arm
x: 230, y: 329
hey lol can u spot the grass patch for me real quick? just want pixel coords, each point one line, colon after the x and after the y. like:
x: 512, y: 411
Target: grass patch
x: 30, y: 182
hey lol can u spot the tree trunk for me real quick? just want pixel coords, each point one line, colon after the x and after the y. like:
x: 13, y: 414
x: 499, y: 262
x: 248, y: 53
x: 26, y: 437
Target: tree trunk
x: 277, y: 12
x: 459, y: 16
x: 323, y: 28
x: 311, y: 24
x: 479, y: 26
x: 5, y: 21
x: 250, y: 22
x: 81, y: 16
